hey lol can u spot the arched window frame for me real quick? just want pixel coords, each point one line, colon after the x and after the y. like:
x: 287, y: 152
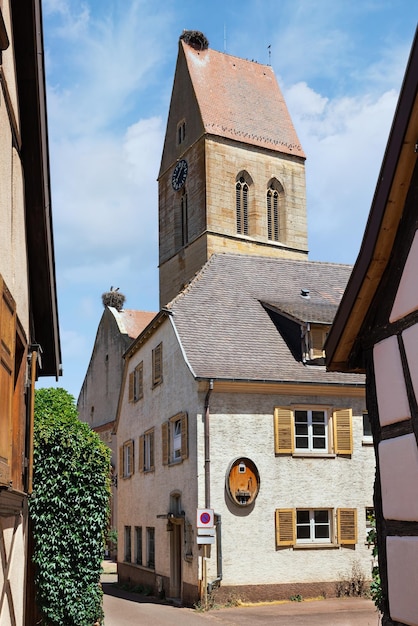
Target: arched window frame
x: 242, y: 191
x: 274, y: 205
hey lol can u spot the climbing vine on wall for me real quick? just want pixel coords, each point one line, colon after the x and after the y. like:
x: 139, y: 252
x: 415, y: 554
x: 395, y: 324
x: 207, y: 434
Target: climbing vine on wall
x: 69, y: 510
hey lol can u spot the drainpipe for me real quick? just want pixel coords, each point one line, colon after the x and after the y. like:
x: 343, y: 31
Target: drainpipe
x: 207, y: 492
x: 207, y: 447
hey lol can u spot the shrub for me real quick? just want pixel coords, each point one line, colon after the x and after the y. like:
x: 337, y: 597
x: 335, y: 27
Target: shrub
x: 69, y: 510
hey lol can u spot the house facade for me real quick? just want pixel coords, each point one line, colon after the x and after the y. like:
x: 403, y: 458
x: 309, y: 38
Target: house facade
x: 29, y: 336
x: 229, y: 415
x: 226, y: 407
x: 376, y: 332
x: 98, y: 399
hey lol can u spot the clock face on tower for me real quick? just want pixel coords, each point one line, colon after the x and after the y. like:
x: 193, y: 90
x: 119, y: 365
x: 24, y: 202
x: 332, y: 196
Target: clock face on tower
x: 179, y: 175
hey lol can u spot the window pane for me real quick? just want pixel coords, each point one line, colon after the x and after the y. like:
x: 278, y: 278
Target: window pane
x: 302, y: 442
x: 321, y: 517
x: 322, y: 531
x: 318, y: 429
x: 302, y: 517
x: 301, y: 416
x: 303, y: 532
x: 367, y: 428
x: 319, y: 443
x: 318, y: 416
x: 301, y: 429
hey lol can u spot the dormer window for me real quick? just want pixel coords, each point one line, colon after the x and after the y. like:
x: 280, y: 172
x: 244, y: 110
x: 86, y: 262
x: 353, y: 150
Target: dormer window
x: 313, y: 341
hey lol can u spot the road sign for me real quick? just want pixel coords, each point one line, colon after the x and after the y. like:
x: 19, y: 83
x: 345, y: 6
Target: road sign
x: 205, y: 540
x: 206, y: 531
x: 205, y: 518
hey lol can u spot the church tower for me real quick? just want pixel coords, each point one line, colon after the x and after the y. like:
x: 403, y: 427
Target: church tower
x: 232, y: 175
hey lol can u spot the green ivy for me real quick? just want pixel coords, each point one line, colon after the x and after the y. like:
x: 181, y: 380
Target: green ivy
x: 69, y: 510
x: 376, y: 591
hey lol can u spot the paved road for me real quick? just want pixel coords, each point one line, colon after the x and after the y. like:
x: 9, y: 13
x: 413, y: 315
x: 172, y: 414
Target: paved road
x: 122, y: 609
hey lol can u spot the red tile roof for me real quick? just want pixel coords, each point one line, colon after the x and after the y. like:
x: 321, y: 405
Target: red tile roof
x: 131, y: 322
x: 241, y: 100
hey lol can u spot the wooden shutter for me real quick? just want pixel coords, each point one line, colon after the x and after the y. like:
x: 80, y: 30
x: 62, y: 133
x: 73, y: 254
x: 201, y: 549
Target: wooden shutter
x: 283, y: 431
x: 285, y: 527
x: 343, y: 432
x: 165, y: 442
x: 139, y: 381
x: 317, y: 342
x: 347, y: 526
x: 141, y: 453
x: 131, y: 386
x: 184, y: 437
x: 157, y: 364
x: 131, y: 464
x: 121, y: 464
x: 7, y: 359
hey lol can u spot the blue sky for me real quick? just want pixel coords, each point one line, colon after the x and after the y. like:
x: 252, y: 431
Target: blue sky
x: 110, y: 66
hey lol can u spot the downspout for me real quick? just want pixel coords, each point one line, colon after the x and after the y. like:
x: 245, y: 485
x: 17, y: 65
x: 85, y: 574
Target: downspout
x: 207, y: 445
x: 207, y: 492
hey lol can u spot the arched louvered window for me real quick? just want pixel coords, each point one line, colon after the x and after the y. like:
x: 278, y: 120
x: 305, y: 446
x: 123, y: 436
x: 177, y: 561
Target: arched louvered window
x: 241, y: 201
x: 275, y: 206
x: 273, y: 214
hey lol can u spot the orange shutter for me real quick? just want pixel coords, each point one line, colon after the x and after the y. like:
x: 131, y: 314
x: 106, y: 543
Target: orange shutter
x: 7, y: 358
x: 283, y: 431
x: 131, y: 386
x: 165, y: 442
x: 141, y: 453
x: 157, y: 364
x: 347, y: 526
x: 285, y: 527
x: 343, y: 435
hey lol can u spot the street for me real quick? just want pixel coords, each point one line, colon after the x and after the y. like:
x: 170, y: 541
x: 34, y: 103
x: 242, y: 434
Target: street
x: 123, y: 608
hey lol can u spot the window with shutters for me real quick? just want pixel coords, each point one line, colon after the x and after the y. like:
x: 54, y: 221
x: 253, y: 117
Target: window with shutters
x: 316, y: 430
x: 136, y: 383
x: 313, y: 342
x: 175, y: 439
x: 157, y: 365
x: 7, y: 377
x: 308, y: 527
x: 127, y: 459
x: 146, y: 451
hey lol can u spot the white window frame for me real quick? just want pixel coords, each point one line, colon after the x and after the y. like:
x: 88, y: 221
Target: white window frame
x: 149, y: 450
x: 175, y: 432
x: 128, y: 458
x: 310, y: 434
x: 312, y: 525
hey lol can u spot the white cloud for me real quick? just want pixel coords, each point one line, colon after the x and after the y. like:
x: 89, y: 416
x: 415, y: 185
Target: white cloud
x: 344, y: 139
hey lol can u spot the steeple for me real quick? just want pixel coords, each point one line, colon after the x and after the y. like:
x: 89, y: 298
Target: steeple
x: 232, y: 175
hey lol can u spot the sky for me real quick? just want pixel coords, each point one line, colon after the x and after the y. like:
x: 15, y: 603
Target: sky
x: 109, y: 71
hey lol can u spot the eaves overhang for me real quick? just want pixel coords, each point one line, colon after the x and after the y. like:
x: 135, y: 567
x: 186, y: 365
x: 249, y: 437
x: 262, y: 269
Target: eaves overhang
x: 30, y: 74
x: 393, y: 184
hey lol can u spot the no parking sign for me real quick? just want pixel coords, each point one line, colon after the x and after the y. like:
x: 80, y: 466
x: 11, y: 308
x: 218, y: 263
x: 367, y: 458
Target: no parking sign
x: 205, y: 518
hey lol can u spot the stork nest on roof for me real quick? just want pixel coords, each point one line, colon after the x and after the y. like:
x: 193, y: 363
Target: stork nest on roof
x: 195, y: 39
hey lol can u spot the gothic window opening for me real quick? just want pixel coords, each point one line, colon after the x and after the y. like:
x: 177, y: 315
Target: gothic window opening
x: 273, y: 214
x: 241, y: 201
x: 275, y: 194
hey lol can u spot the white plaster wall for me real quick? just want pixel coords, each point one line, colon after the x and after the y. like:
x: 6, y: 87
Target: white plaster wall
x: 143, y: 496
x: 248, y: 540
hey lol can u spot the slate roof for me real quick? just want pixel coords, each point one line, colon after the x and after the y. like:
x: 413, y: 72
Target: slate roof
x: 226, y: 331
x: 241, y: 100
